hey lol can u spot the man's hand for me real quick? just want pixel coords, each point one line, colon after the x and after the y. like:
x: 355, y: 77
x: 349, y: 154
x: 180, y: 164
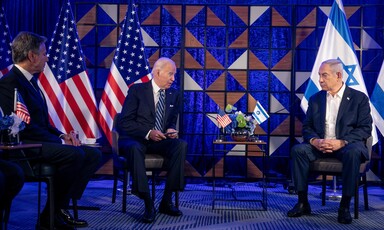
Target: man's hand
x: 172, y: 133
x: 71, y: 140
x: 156, y: 135
x: 328, y: 145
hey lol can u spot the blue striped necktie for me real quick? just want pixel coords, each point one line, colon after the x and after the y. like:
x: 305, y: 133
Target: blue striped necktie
x: 160, y: 109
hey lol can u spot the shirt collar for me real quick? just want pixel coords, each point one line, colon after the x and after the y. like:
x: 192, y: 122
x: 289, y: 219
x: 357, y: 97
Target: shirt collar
x: 340, y: 93
x: 155, y: 87
x: 26, y: 74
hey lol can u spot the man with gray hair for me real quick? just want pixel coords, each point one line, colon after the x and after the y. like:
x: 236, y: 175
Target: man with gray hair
x: 337, y: 124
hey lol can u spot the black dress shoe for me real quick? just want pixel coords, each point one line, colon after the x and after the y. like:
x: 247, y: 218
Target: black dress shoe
x: 169, y: 209
x: 299, y: 209
x: 59, y: 224
x: 68, y: 218
x: 149, y: 214
x: 344, y: 216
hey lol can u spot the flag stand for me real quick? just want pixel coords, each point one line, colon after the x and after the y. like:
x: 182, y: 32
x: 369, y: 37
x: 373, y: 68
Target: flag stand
x: 220, y: 135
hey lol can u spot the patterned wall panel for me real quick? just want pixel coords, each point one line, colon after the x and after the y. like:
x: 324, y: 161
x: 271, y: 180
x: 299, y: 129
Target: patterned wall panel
x: 237, y: 54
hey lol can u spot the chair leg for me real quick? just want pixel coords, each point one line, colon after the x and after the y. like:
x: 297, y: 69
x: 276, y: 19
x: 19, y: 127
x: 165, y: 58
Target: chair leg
x: 75, y: 209
x: 323, y: 189
x: 356, y: 203
x: 125, y: 182
x: 51, y: 202
x: 365, y: 191
x: 115, y: 178
x: 177, y: 199
x: 153, y: 187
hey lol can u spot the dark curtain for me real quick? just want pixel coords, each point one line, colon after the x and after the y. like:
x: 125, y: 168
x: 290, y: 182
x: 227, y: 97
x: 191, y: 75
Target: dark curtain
x: 38, y: 16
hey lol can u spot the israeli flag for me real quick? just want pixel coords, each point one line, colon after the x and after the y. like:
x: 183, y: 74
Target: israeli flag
x: 259, y: 113
x: 378, y: 102
x: 337, y: 44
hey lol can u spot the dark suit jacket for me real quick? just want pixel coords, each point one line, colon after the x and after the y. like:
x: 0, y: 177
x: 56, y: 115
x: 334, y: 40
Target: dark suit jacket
x: 354, y: 121
x: 39, y: 129
x: 138, y: 112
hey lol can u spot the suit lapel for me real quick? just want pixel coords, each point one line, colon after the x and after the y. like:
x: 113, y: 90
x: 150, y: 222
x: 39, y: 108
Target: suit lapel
x: 343, y: 105
x: 149, y: 97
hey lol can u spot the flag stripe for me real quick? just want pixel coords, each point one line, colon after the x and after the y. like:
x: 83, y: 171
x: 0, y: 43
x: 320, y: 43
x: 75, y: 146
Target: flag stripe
x: 378, y: 102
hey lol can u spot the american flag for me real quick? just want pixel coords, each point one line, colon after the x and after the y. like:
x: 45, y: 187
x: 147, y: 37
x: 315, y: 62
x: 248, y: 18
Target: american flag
x: 5, y: 45
x: 65, y: 82
x: 129, y: 66
x: 21, y: 109
x: 223, y: 119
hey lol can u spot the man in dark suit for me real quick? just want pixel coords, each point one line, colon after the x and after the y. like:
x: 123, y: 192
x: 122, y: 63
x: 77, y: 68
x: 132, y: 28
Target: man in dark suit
x: 141, y: 133
x: 337, y: 124
x: 75, y: 163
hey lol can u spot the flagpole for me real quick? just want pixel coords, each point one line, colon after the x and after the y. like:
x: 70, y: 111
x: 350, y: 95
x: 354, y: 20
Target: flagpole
x: 15, y: 101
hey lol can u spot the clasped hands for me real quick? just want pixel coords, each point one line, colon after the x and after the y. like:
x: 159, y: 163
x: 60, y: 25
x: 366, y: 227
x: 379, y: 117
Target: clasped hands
x: 327, y: 145
x: 157, y: 135
x: 70, y: 139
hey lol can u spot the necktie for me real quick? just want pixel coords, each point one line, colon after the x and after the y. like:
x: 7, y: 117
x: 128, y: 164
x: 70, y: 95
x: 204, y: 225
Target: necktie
x: 36, y: 86
x: 160, y: 109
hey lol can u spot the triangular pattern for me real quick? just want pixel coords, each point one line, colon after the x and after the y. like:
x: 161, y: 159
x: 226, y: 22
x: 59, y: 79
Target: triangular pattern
x: 190, y: 40
x: 240, y: 76
x: 256, y: 150
x: 368, y: 42
x: 175, y: 11
x: 232, y: 98
x: 190, y: 84
x: 212, y: 117
x: 302, y: 34
x: 190, y: 62
x: 282, y: 128
x: 212, y: 19
x: 107, y: 60
x: 219, y: 166
x: 190, y: 170
x: 153, y: 58
x: 255, y: 63
x: 241, y: 62
x: 277, y: 19
x: 350, y: 10
x: 110, y: 10
x: 275, y: 143
x: 148, y: 41
x: 211, y: 62
x: 309, y: 20
x: 285, y: 63
x: 218, y: 84
x: 276, y: 106
x: 191, y: 12
x: 177, y: 58
x: 241, y: 41
x: 111, y: 39
x: 256, y: 12
x: 251, y: 103
x: 122, y: 12
x: 253, y: 170
x: 241, y: 12
x: 218, y: 98
x: 284, y: 77
x: 298, y: 127
x: 301, y: 78
x: 237, y: 150
x: 154, y: 18
x: 89, y: 17
x: 83, y: 30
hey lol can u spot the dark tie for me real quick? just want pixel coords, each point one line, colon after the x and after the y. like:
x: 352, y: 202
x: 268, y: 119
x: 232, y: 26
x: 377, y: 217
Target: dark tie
x: 36, y: 86
x: 160, y: 108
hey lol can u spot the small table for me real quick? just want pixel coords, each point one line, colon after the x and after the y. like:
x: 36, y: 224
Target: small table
x: 251, y: 149
x: 8, y: 149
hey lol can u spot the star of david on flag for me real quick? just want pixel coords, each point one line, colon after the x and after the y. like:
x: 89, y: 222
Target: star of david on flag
x: 337, y: 44
x: 129, y: 66
x: 259, y: 113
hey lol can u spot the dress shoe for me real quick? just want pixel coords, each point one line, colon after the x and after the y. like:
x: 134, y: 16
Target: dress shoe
x: 68, y: 218
x: 299, y: 209
x: 149, y: 214
x: 169, y: 209
x: 344, y: 216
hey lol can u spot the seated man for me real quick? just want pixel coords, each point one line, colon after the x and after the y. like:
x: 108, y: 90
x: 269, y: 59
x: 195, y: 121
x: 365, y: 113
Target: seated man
x: 147, y: 124
x: 11, y: 182
x: 337, y: 124
x: 75, y: 163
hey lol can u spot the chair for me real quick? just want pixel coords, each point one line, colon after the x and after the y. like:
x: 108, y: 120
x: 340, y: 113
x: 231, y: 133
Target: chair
x: 332, y: 166
x: 153, y: 164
